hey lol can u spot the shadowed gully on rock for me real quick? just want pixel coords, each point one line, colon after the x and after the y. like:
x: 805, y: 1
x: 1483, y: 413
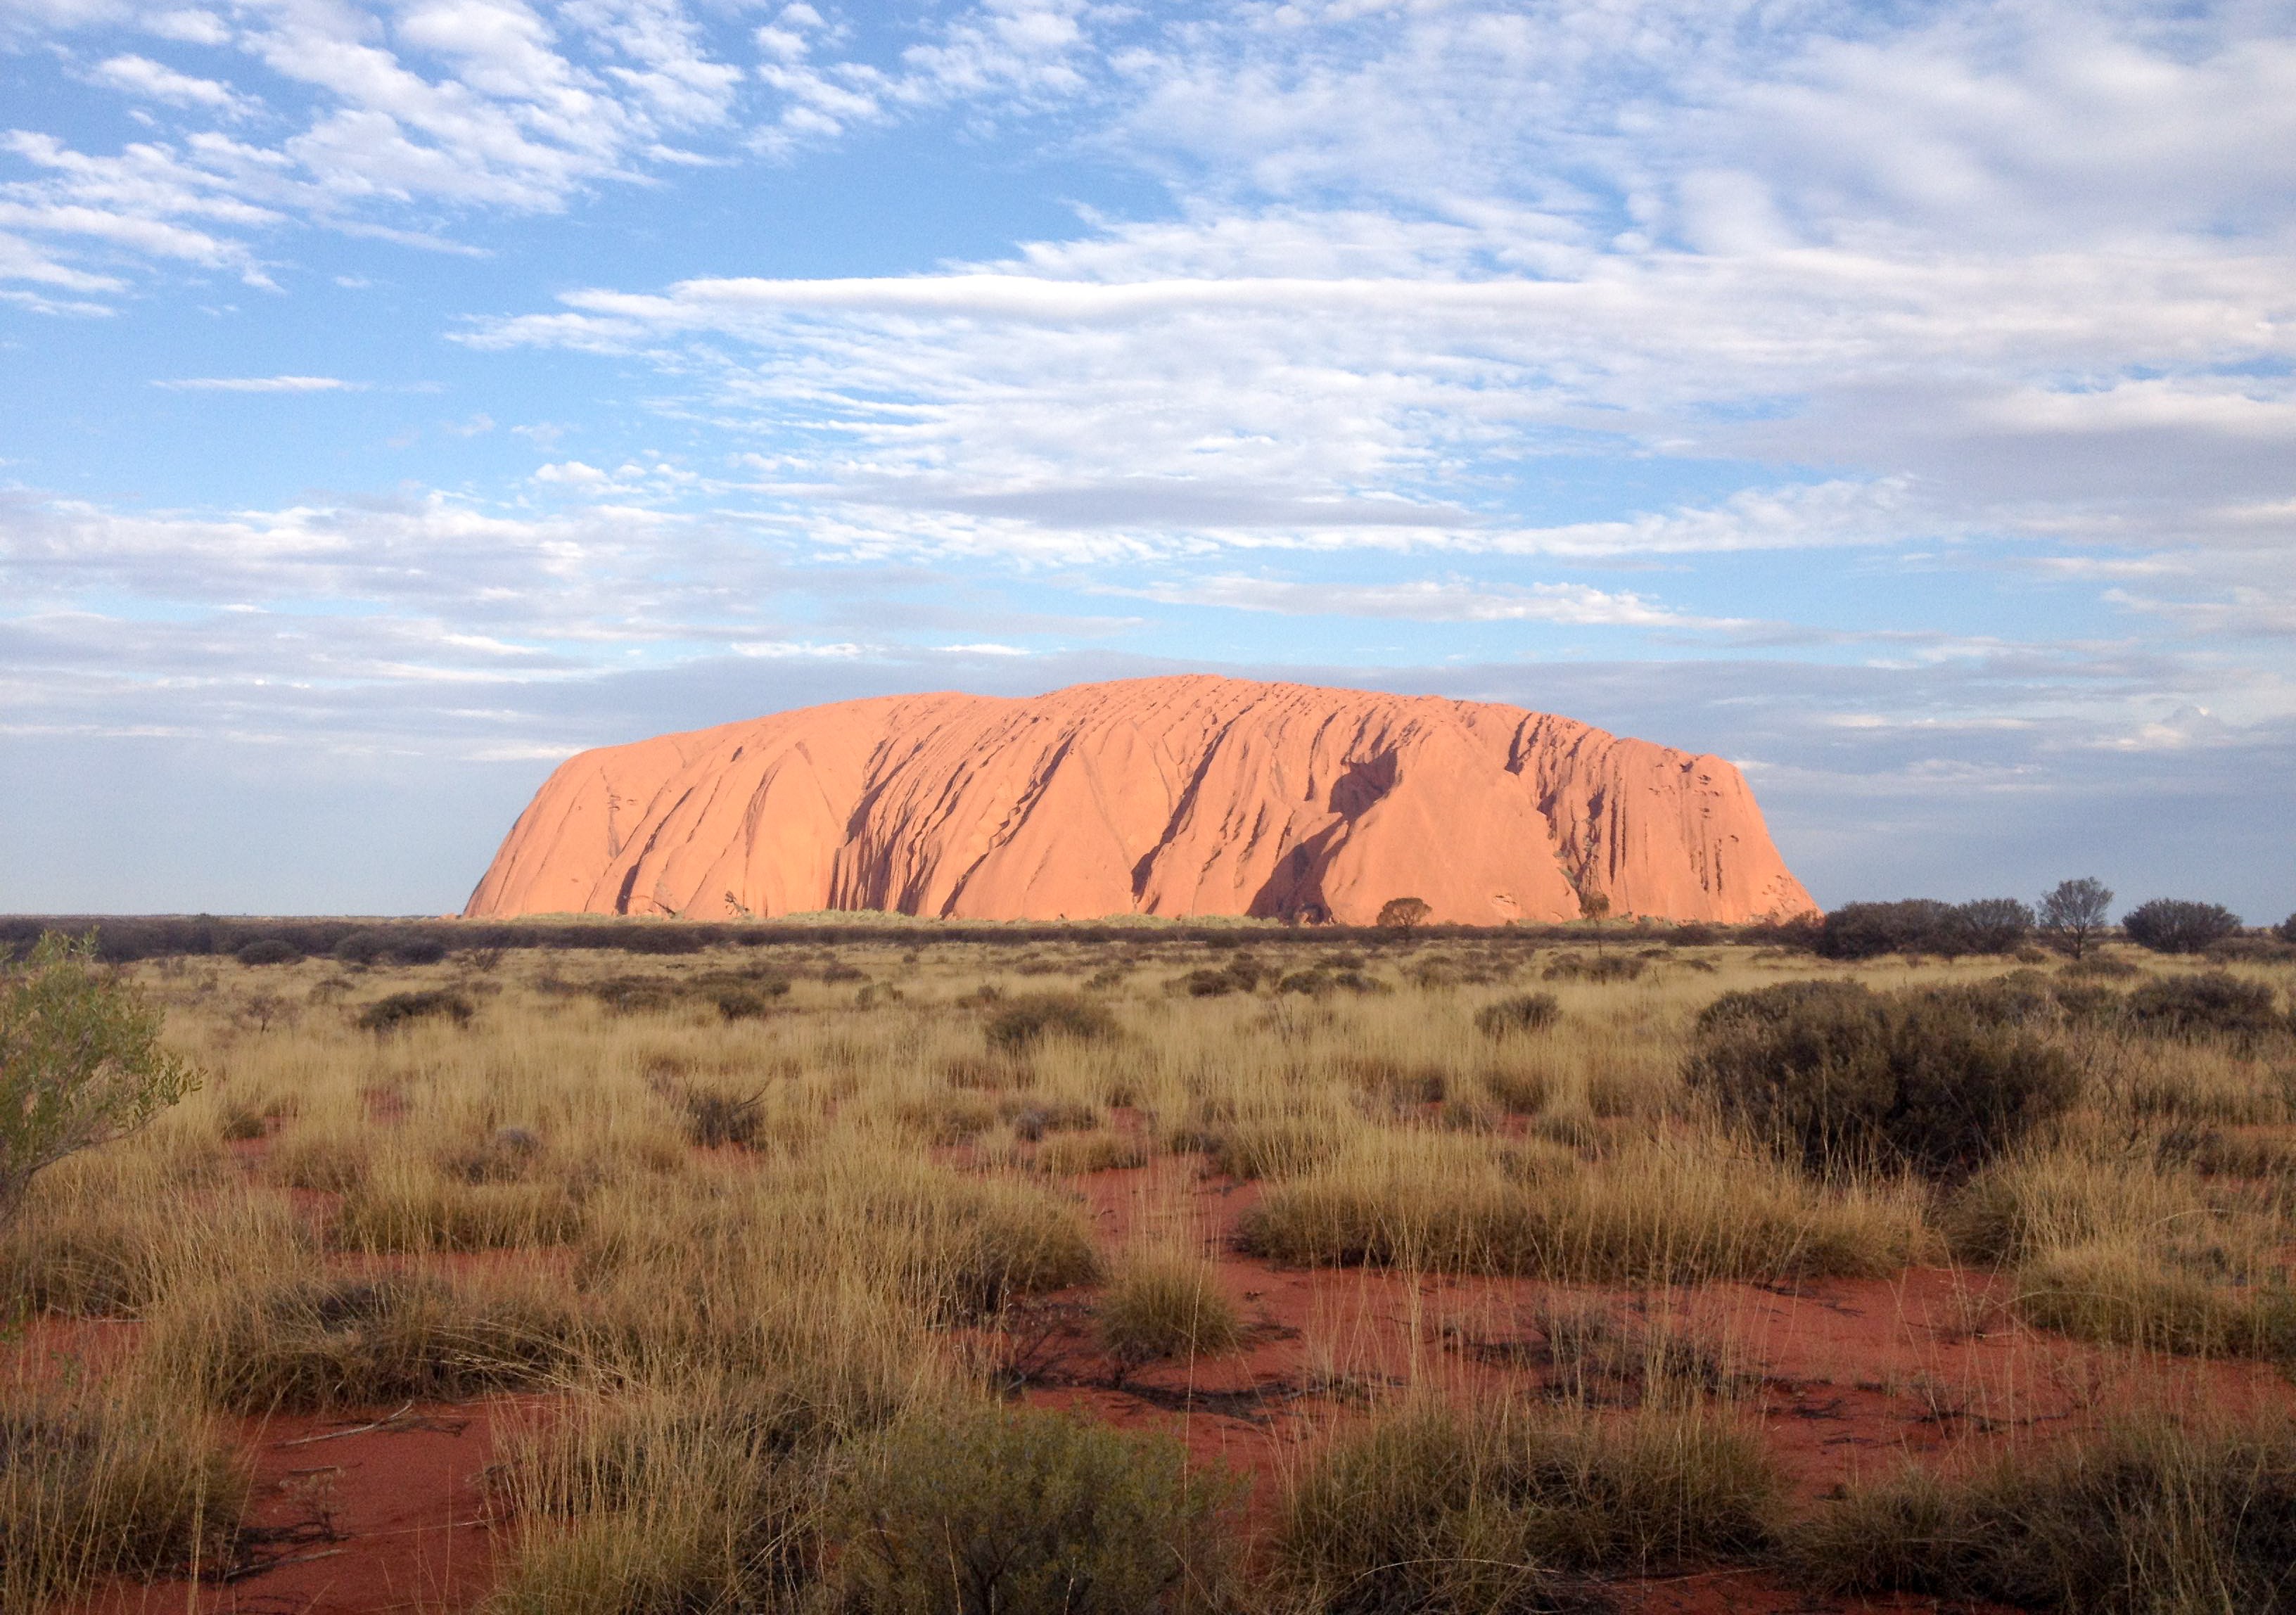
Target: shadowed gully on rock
x: 1176, y: 797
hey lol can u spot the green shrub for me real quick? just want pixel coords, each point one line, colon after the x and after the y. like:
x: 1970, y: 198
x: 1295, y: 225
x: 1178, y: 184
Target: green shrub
x: 2147, y: 1517
x: 997, y: 1510
x: 80, y: 1061
x: 402, y: 1010
x: 1525, y: 1013
x: 1020, y: 1022
x: 2286, y: 931
x: 2168, y: 925
x: 269, y: 950
x: 1430, y: 1509
x: 2214, y: 1000
x: 1844, y: 1080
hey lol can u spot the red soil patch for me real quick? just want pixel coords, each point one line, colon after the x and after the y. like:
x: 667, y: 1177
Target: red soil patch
x: 1847, y: 1378
x: 354, y: 1515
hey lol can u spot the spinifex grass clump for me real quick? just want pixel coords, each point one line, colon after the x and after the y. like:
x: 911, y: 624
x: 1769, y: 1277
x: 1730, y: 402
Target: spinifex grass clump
x: 701, y: 1493
x: 97, y: 1486
x: 315, y: 1343
x: 2151, y: 1517
x: 1167, y: 1306
x: 997, y: 1510
x: 1655, y: 1213
x: 1509, y: 1508
x: 1844, y: 1080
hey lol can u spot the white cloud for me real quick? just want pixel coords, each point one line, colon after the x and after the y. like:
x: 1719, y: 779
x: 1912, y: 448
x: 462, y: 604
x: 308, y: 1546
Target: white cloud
x: 1429, y: 599
x: 142, y: 76
x: 262, y: 384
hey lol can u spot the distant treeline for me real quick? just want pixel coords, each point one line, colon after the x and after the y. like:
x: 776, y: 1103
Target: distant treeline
x: 123, y: 938
x: 1855, y: 930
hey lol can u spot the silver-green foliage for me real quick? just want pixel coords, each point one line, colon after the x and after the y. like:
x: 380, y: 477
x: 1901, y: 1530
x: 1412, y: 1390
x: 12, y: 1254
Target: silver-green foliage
x: 80, y: 1060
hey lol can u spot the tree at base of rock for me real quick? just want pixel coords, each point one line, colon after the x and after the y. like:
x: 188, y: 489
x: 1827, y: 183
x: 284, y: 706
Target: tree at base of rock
x: 1404, y: 914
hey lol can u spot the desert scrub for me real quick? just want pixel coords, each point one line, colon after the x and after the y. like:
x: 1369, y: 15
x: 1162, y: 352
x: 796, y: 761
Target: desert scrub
x: 698, y: 1494
x: 84, y: 1248
x: 1655, y: 1213
x: 411, y: 1206
x: 1020, y: 1022
x: 2181, y: 1301
x: 2150, y: 1517
x: 2212, y: 1003
x: 103, y: 1486
x: 999, y: 1511
x: 1841, y: 1080
x: 1504, y: 1506
x: 314, y: 1342
x: 402, y: 1010
x: 1523, y: 1013
x: 1162, y: 1307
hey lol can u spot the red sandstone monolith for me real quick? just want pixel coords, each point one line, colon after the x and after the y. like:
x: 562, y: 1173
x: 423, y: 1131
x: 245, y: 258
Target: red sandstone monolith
x: 1176, y: 797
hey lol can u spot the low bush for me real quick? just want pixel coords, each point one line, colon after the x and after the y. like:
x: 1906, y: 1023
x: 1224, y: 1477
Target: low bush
x: 2286, y: 931
x: 363, y: 947
x: 1020, y: 1022
x: 269, y: 950
x: 1505, y: 1508
x: 1597, y: 968
x: 2168, y: 925
x: 1166, y: 1307
x: 997, y: 1510
x: 1241, y: 974
x: 97, y: 1490
x: 1522, y: 1013
x: 1845, y: 1080
x: 403, y: 1010
x: 716, y: 1118
x: 2211, y: 1001
x: 2149, y: 1517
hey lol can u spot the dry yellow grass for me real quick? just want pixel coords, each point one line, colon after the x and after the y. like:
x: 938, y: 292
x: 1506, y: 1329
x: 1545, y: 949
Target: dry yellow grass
x: 738, y: 1246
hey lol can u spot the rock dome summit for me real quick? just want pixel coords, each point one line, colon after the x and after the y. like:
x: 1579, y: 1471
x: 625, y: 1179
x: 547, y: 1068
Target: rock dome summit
x: 1176, y: 797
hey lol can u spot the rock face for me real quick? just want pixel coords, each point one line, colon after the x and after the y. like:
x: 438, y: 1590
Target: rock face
x: 1156, y: 796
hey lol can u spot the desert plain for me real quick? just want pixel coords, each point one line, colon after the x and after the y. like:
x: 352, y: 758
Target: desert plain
x: 1254, y: 1267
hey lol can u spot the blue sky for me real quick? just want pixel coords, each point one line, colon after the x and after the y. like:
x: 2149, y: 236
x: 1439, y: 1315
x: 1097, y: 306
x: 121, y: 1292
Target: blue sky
x: 1896, y: 399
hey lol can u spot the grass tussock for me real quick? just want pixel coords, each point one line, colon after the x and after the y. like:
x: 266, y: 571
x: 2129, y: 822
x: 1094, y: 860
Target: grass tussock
x: 1511, y: 1508
x: 1651, y: 1215
x: 317, y: 1342
x: 2150, y: 1517
x: 997, y: 1510
x: 1162, y: 1307
x: 96, y: 1487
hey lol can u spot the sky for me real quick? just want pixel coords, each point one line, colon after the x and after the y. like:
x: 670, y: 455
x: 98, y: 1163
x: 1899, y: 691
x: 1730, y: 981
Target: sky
x: 1895, y: 399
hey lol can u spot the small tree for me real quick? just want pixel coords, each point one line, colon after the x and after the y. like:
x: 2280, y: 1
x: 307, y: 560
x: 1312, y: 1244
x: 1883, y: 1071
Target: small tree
x: 1404, y: 914
x: 80, y: 1061
x: 2076, y: 911
x: 1989, y: 925
x: 2168, y: 925
x: 1594, y: 904
x: 2286, y: 930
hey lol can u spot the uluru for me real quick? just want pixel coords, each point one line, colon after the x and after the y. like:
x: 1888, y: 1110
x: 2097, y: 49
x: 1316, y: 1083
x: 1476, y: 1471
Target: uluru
x: 1188, y: 796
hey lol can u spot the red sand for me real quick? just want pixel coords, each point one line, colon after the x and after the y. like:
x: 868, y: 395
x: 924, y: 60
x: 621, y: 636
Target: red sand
x: 369, y: 1512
